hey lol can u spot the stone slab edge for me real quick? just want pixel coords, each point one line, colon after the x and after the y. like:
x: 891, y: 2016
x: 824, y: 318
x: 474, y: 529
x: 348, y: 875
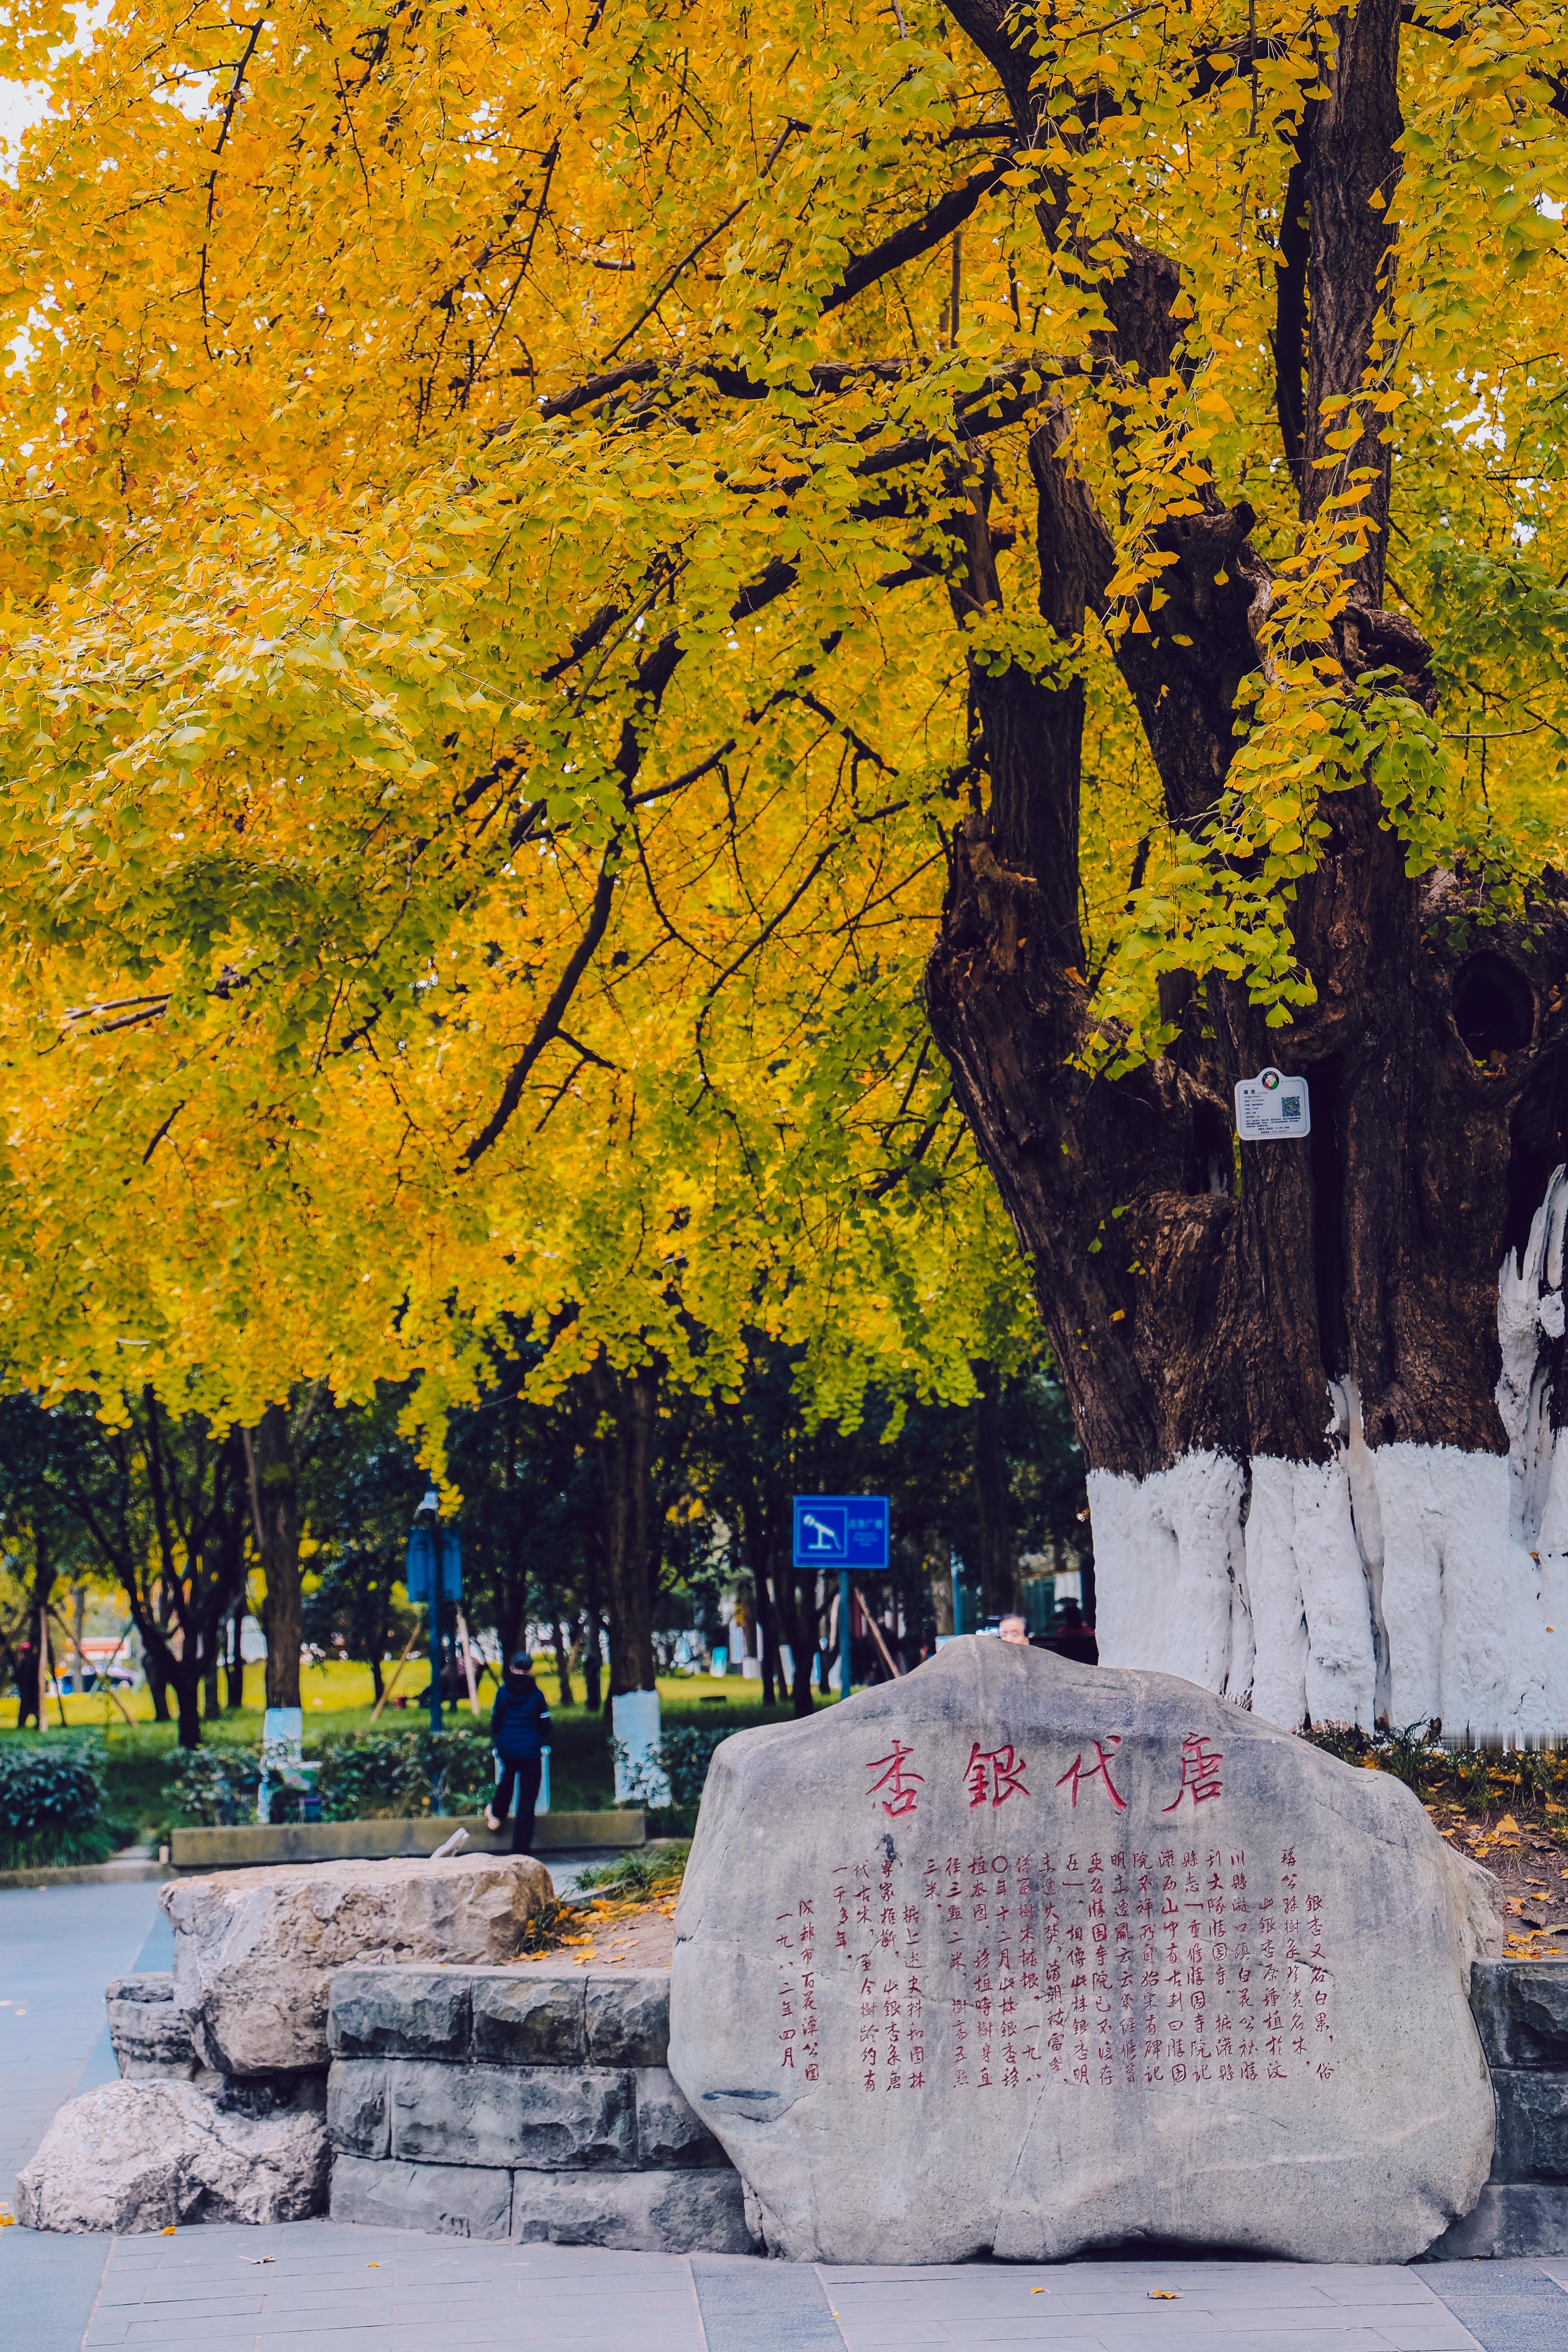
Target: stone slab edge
x: 249, y: 1845
x: 521, y: 2016
x: 647, y: 2212
x: 1512, y: 2219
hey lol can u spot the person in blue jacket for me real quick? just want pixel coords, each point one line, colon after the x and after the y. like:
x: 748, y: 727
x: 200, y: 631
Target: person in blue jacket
x: 518, y: 1721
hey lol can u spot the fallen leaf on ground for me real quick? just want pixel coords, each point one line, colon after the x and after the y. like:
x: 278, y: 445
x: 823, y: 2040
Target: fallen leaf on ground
x: 1164, y: 2295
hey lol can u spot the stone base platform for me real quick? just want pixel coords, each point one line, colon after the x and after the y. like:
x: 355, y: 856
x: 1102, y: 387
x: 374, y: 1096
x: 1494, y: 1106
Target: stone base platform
x: 1520, y: 2008
x: 529, y: 2103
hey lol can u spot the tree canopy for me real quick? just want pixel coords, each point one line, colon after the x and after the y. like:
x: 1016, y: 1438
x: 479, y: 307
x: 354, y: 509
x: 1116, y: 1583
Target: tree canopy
x: 524, y: 535
x: 473, y: 830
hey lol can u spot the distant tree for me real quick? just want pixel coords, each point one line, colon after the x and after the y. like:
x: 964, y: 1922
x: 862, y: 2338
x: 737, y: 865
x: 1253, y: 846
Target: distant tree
x: 41, y: 1537
x: 161, y: 1501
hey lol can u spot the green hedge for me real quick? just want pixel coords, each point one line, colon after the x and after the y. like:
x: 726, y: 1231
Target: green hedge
x: 360, y: 1776
x: 51, y: 1804
x: 365, y: 1774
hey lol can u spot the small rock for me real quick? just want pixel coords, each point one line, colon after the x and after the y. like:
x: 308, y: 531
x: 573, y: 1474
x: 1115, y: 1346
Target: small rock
x: 254, y: 1950
x: 132, y: 2157
x: 149, y: 2032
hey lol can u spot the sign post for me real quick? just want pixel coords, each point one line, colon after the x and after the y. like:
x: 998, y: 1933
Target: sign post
x: 844, y: 1532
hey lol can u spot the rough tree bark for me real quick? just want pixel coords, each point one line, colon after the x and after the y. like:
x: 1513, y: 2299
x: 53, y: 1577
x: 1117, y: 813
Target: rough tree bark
x: 272, y: 1463
x: 997, y: 1565
x: 627, y: 1405
x: 1319, y: 1421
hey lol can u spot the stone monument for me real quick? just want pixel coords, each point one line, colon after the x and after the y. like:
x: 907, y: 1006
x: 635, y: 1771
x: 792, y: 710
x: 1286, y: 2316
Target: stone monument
x: 1021, y: 1957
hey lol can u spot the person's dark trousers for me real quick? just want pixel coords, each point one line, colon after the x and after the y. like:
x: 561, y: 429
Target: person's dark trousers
x: 527, y: 1776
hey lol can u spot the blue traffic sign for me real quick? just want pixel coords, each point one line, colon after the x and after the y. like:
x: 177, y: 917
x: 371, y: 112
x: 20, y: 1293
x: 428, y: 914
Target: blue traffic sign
x: 419, y: 1569
x: 838, y: 1531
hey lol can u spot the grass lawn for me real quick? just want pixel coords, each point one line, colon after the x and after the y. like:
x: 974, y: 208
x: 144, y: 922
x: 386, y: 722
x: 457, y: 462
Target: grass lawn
x: 337, y: 1698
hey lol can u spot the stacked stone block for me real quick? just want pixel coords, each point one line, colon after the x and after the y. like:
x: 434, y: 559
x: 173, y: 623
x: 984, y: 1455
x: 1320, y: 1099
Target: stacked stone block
x: 529, y: 2103
x: 1521, y: 2010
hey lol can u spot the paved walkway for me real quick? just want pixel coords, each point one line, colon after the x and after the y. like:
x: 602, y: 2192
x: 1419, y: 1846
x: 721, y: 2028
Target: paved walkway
x: 317, y: 2288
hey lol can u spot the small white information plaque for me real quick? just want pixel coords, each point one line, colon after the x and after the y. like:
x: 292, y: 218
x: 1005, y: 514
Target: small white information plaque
x: 1272, y: 1109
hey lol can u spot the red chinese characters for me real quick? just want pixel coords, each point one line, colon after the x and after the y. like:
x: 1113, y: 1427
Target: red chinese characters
x: 995, y: 1772
x: 1077, y: 1771
x: 901, y: 1784
x: 1200, y: 1771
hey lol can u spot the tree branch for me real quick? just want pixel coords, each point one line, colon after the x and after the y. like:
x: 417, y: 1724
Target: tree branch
x: 549, y: 1023
x: 917, y: 236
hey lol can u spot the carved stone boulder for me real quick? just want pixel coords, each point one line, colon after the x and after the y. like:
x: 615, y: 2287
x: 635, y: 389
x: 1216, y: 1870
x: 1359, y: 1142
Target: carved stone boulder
x: 1018, y: 1957
x: 254, y: 1950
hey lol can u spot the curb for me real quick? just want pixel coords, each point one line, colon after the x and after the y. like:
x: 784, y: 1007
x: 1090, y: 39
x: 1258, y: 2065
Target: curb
x: 88, y: 1873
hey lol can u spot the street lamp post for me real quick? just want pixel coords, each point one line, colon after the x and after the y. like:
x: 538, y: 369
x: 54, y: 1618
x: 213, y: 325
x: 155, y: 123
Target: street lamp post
x: 434, y: 1572
x: 430, y: 1512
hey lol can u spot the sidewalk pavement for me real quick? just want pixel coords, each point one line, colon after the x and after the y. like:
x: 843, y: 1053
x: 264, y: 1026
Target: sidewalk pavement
x: 317, y: 2287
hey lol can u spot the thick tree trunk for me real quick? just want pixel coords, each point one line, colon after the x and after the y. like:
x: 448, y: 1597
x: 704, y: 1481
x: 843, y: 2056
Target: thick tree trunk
x: 998, y: 1562
x: 591, y: 1662
x: 627, y: 1409
x: 767, y: 1639
x: 274, y: 1476
x: 158, y: 1688
x: 1314, y: 1381
x: 187, y: 1691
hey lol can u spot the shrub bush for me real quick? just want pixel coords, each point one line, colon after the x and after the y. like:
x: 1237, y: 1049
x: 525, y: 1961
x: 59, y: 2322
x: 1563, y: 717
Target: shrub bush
x: 215, y: 1786
x: 366, y: 1775
x: 686, y: 1751
x: 360, y: 1776
x: 51, y: 1804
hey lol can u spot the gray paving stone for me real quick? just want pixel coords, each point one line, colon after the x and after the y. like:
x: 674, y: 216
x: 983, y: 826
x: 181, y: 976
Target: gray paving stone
x: 759, y: 2306
x: 529, y: 2017
x: 375, y: 2012
x: 1508, y: 2305
x: 547, y: 2117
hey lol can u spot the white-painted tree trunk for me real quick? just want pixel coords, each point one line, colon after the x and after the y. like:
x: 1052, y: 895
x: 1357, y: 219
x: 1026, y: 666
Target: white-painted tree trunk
x: 1398, y: 1582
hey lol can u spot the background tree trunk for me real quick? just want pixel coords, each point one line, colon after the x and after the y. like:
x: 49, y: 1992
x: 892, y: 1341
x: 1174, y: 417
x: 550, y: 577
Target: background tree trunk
x: 998, y: 1562
x: 563, y: 1659
x: 274, y: 1478
x: 627, y: 1404
x: 157, y: 1685
x: 236, y: 1657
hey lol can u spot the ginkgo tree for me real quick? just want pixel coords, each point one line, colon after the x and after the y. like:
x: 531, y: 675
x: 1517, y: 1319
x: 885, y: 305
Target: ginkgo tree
x: 551, y: 562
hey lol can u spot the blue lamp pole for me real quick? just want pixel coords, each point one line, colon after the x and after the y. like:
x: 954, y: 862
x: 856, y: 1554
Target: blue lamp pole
x: 434, y: 1572
x: 430, y: 1512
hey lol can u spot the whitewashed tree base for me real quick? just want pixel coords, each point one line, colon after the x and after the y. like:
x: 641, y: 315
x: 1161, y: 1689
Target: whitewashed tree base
x: 1399, y: 1582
